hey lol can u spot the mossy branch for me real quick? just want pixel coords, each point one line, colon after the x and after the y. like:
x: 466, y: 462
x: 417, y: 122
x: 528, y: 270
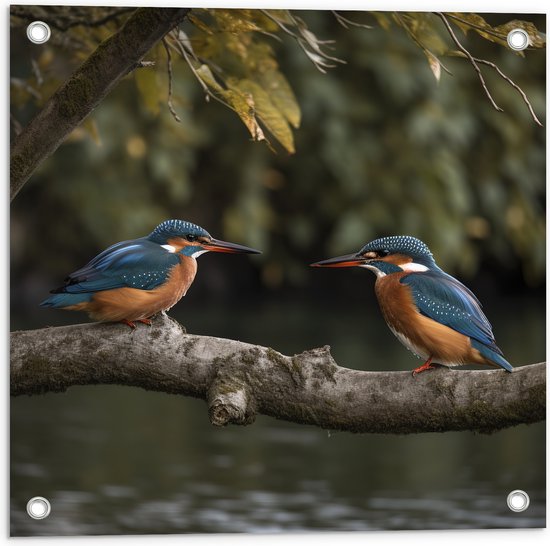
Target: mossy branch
x: 87, y: 87
x: 239, y: 380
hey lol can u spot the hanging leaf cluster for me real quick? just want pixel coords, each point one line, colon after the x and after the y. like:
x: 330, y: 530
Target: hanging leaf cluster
x: 432, y: 38
x: 230, y: 53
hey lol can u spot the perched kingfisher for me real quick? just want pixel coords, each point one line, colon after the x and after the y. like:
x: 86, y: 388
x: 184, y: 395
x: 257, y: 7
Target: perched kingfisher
x: 133, y: 280
x: 431, y: 313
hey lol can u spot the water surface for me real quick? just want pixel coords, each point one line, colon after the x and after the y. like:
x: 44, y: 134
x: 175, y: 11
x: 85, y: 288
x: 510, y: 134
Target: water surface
x: 116, y: 460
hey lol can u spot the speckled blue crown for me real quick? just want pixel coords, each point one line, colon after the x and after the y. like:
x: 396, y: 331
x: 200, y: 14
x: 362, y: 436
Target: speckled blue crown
x: 176, y: 228
x: 402, y: 244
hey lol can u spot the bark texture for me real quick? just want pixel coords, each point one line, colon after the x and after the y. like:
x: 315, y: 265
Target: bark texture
x: 87, y: 87
x: 239, y: 380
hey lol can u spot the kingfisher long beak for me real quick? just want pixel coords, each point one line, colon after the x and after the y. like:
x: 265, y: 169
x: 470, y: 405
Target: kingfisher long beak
x: 215, y: 245
x: 349, y: 260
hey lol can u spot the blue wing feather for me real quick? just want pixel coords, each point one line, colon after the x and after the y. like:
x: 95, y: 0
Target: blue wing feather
x: 446, y: 300
x: 139, y: 263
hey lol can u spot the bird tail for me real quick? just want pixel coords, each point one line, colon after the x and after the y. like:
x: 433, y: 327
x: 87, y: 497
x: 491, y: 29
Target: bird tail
x: 61, y: 300
x: 492, y: 355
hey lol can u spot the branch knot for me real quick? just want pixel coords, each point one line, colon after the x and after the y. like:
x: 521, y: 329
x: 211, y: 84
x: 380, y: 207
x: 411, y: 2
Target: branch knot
x: 229, y: 397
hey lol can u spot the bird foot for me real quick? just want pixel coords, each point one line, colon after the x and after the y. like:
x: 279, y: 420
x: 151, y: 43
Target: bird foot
x: 132, y: 324
x: 426, y: 366
x: 129, y: 323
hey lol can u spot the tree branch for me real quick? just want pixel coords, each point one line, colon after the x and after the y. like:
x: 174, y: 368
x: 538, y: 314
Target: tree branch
x: 475, y: 61
x: 514, y: 85
x: 87, y: 87
x: 239, y: 380
x: 65, y: 17
x: 471, y: 59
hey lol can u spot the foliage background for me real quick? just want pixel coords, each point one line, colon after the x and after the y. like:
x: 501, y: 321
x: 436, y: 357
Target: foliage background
x: 383, y: 149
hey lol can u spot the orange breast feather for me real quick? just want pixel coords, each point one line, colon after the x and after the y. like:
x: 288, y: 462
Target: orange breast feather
x: 135, y: 304
x: 420, y: 334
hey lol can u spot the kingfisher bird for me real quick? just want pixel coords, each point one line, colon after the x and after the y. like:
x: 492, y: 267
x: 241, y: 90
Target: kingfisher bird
x: 430, y: 312
x: 133, y: 280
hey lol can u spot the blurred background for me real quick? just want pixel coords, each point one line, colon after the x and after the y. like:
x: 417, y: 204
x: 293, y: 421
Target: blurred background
x: 382, y: 149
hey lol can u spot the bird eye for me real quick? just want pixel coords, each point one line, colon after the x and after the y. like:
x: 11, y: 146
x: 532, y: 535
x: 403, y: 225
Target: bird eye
x: 191, y: 238
x: 383, y: 253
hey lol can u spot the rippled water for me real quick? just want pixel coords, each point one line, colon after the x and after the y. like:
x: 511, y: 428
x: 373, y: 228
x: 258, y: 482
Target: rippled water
x: 115, y: 460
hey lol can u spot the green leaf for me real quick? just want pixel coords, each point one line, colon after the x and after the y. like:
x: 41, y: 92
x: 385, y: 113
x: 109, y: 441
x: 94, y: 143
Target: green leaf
x: 235, y: 20
x: 498, y: 34
x: 205, y: 74
x: 537, y: 40
x: 421, y: 28
x: 268, y: 113
x: 434, y: 63
x: 383, y: 20
x: 198, y: 22
x: 242, y: 104
x: 281, y: 95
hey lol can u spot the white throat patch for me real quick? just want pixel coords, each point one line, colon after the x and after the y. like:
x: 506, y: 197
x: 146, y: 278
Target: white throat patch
x: 198, y: 253
x: 172, y: 250
x: 411, y: 266
x: 377, y: 271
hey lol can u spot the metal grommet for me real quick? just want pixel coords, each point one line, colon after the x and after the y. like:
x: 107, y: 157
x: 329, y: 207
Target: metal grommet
x: 39, y: 508
x: 518, y: 500
x: 38, y: 32
x: 518, y: 39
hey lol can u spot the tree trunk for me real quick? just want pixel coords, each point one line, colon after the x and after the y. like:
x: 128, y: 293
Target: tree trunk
x: 87, y: 87
x: 239, y: 380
